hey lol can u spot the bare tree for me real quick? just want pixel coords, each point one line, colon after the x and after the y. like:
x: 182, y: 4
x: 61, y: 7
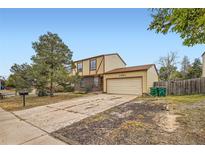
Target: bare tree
x: 168, y: 66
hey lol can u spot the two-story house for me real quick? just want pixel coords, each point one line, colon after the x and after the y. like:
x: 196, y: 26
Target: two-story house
x: 108, y: 73
x: 92, y: 70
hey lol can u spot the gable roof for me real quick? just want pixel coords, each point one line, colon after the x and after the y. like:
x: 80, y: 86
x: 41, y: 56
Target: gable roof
x: 131, y: 69
x: 101, y: 56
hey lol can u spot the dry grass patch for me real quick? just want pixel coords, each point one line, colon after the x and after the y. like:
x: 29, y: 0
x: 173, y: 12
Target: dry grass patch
x: 98, y: 118
x: 8, y: 91
x: 131, y: 125
x: 15, y: 103
x: 175, y: 99
x: 185, y: 99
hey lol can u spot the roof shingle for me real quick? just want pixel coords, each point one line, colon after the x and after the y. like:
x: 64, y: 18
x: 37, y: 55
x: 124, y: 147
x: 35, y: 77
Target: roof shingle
x: 131, y: 69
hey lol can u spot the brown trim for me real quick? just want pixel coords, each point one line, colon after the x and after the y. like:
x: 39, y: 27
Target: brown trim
x: 127, y: 78
x: 99, y: 66
x: 115, y: 71
x: 92, y: 75
x: 127, y: 71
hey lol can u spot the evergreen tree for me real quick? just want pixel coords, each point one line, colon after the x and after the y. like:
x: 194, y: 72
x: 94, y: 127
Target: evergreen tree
x: 52, y: 55
x: 195, y: 71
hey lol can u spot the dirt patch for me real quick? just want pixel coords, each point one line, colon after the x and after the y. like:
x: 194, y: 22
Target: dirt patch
x: 167, y: 121
x: 105, y: 127
x: 154, y: 121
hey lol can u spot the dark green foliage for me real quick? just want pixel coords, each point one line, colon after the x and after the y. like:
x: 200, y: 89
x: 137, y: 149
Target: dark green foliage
x: 10, y: 82
x: 40, y: 75
x: 176, y: 75
x: 188, y: 23
x: 22, y: 77
x: 42, y: 92
x: 195, y: 71
x: 51, y: 62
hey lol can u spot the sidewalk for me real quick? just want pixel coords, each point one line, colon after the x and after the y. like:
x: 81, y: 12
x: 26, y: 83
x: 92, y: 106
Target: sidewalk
x: 14, y: 131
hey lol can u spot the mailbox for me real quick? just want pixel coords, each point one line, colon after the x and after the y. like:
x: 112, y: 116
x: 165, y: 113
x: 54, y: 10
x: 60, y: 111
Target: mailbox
x: 23, y: 94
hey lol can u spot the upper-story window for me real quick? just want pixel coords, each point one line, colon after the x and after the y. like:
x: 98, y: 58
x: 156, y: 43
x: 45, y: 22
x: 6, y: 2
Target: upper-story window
x: 93, y: 64
x: 80, y: 67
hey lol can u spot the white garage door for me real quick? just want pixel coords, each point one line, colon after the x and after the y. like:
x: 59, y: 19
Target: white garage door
x: 125, y: 86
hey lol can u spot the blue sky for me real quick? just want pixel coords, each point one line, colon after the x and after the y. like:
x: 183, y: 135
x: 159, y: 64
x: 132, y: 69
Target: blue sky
x: 87, y: 32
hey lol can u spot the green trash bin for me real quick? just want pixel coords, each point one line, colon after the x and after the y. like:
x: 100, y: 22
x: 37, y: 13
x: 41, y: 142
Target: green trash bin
x: 162, y: 92
x: 158, y: 91
x: 154, y: 91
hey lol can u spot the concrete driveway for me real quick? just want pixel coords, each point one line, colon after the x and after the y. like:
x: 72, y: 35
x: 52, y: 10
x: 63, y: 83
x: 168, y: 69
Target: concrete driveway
x: 50, y: 118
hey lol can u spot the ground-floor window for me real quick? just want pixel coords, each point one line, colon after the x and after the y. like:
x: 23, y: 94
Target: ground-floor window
x: 82, y: 85
x: 96, y: 81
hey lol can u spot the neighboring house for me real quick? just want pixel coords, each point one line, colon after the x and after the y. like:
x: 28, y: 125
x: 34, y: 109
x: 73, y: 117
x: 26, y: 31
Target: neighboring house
x: 1, y: 84
x: 203, y: 66
x: 108, y: 73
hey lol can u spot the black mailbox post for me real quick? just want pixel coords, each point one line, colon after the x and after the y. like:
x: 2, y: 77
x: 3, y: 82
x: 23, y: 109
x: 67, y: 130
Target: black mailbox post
x: 23, y: 94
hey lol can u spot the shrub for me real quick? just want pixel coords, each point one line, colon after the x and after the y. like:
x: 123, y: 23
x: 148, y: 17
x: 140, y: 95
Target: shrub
x: 88, y: 88
x: 42, y: 93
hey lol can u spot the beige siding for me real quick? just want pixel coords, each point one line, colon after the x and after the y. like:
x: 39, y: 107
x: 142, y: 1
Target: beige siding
x: 142, y: 74
x: 92, y: 72
x: 74, y: 71
x: 203, y: 69
x: 100, y: 65
x: 152, y: 77
x: 104, y: 64
x: 113, y: 62
x: 86, y: 65
x: 125, y: 86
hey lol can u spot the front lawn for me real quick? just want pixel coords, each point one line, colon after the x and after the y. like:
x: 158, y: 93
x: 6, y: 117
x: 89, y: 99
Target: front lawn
x: 15, y: 102
x: 185, y: 99
x: 167, y: 120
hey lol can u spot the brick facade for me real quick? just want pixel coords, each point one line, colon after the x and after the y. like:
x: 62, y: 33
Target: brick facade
x: 90, y: 83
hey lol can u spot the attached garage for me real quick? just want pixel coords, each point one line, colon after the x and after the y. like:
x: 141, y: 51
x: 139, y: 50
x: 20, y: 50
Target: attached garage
x: 125, y: 86
x: 130, y: 80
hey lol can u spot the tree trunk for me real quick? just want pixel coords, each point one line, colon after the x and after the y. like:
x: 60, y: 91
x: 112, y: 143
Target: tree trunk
x: 52, y: 66
x: 51, y: 85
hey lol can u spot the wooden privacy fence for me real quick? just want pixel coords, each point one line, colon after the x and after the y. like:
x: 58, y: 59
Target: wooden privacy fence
x: 183, y: 87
